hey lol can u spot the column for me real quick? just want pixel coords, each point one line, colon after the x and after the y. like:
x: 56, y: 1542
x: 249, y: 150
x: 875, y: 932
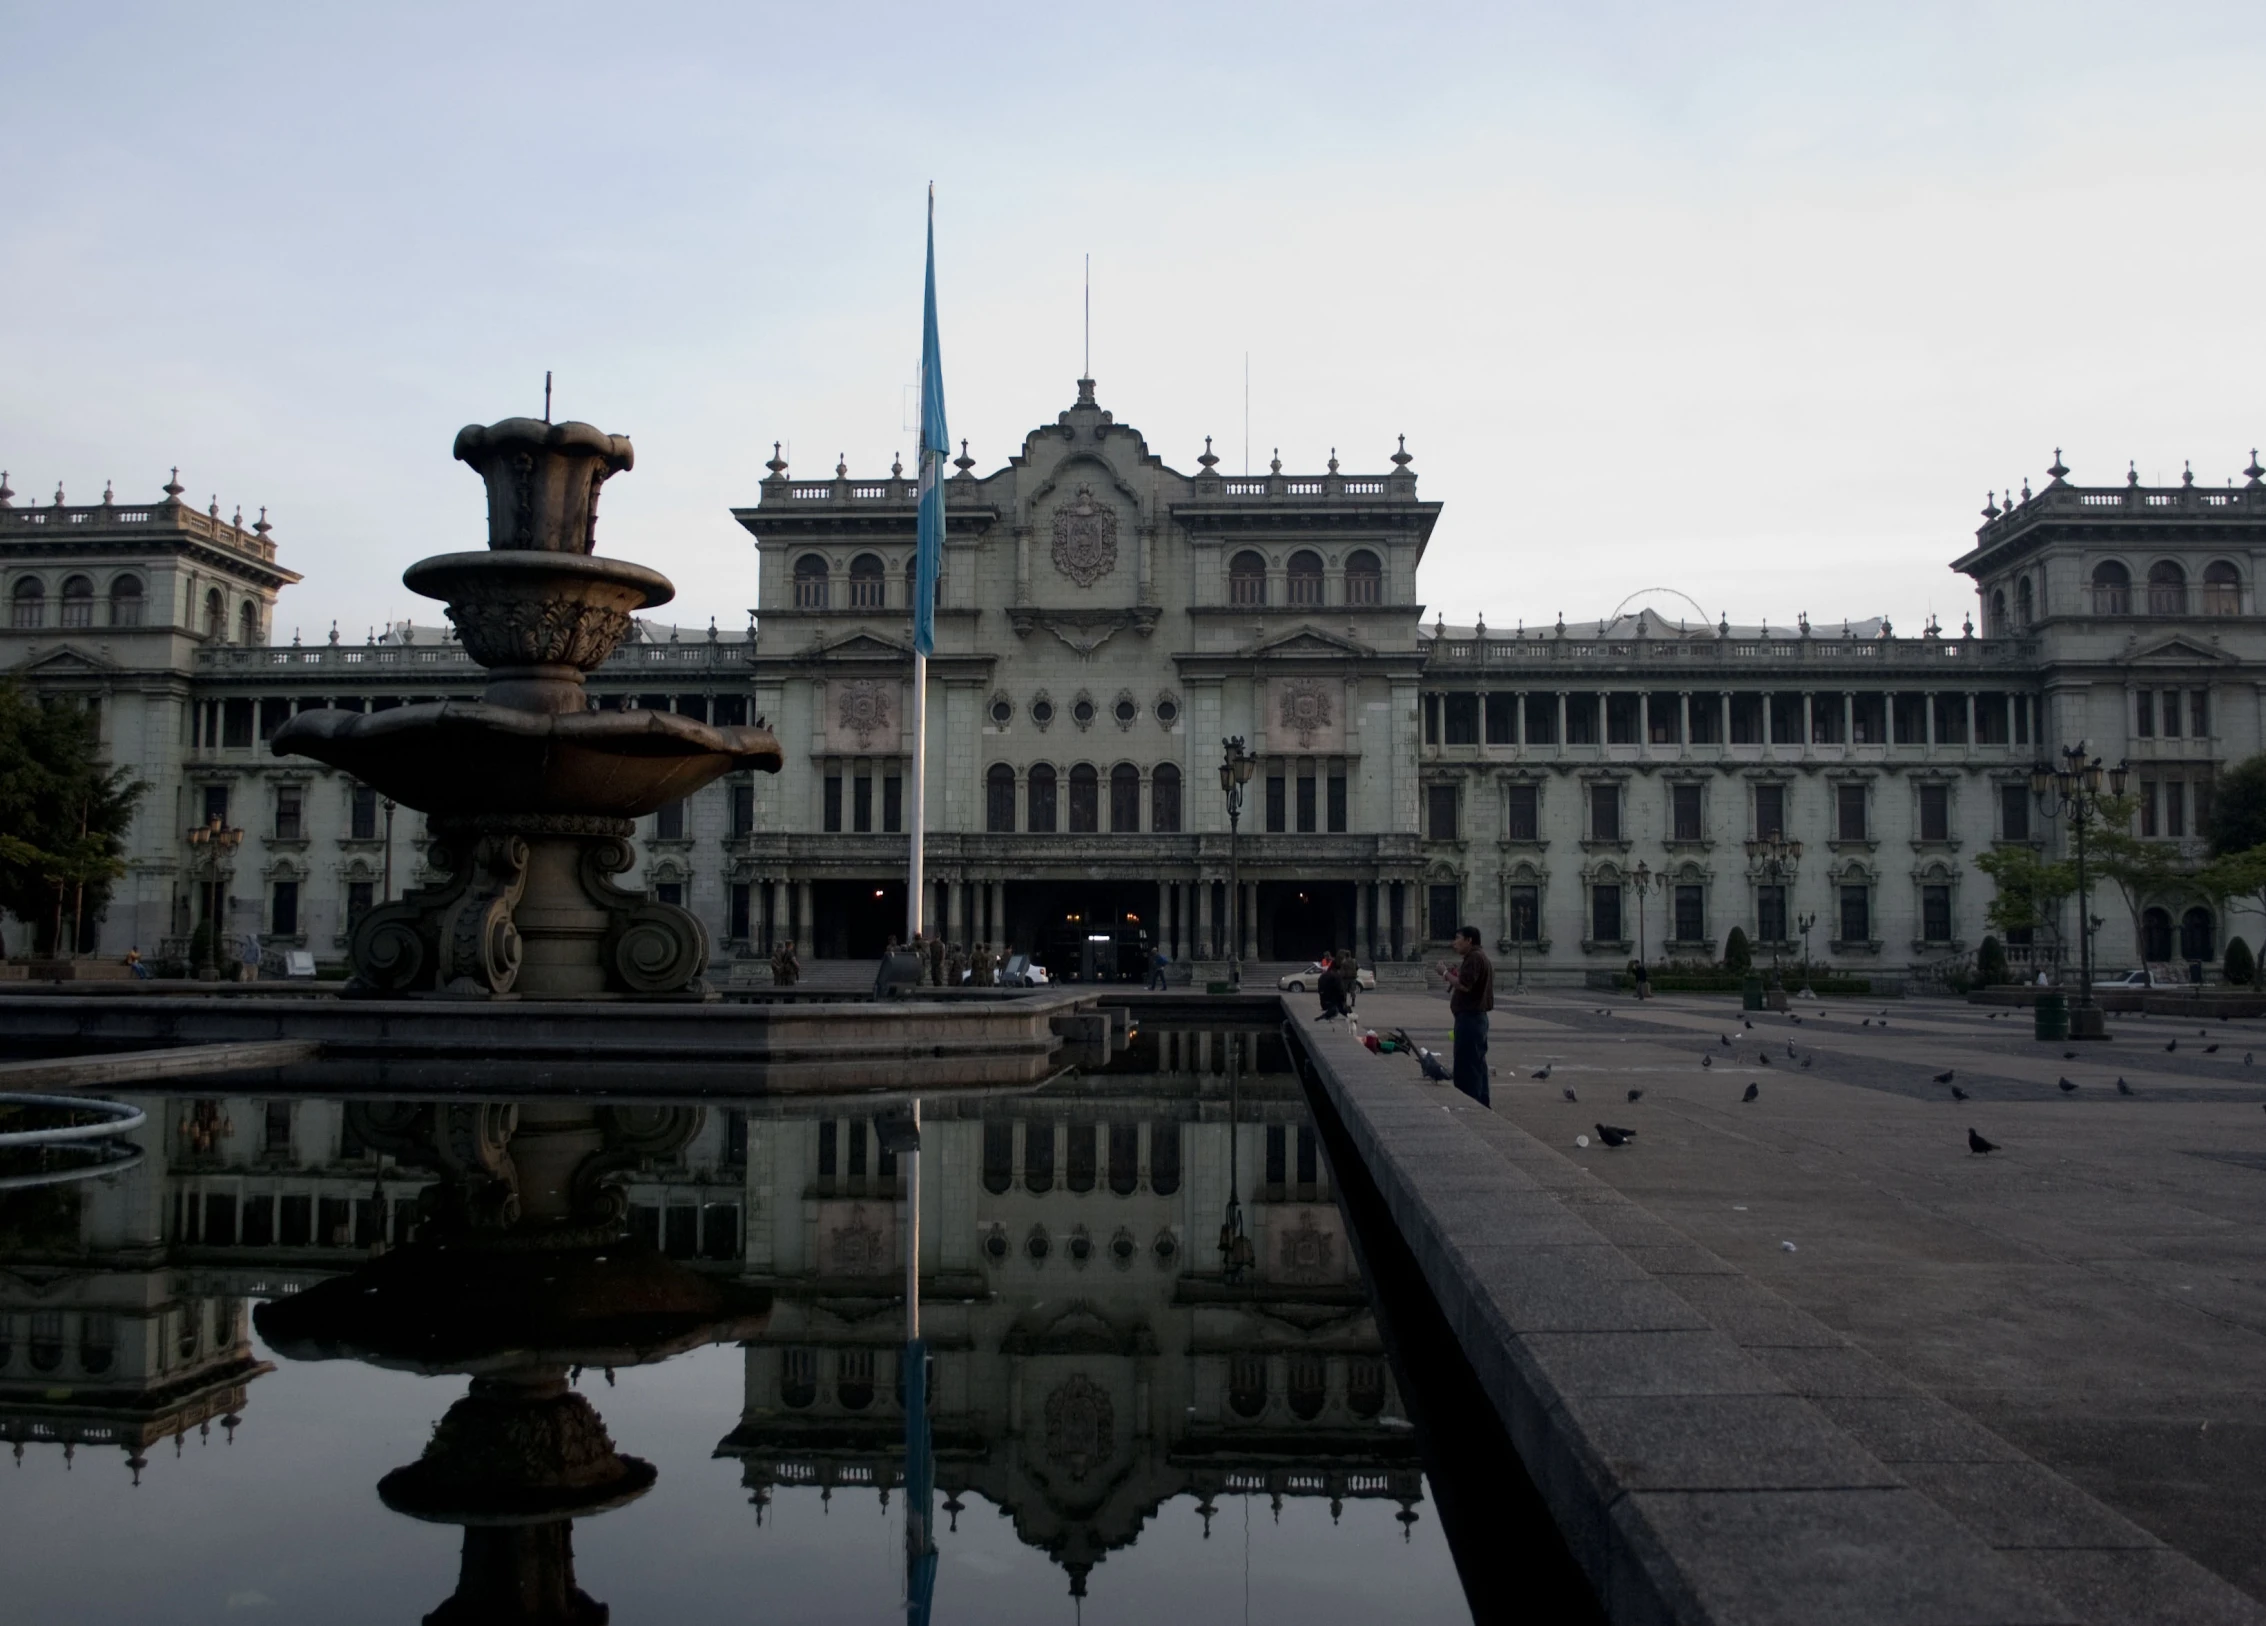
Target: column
x: 1928, y: 702
x: 1362, y: 946
x: 1769, y: 718
x: 1250, y: 920
x: 1723, y: 704
x: 1644, y: 718
x: 1848, y: 718
x: 1204, y: 921
x: 1809, y: 719
x: 1970, y: 716
x: 800, y: 922
x: 955, y: 927
x: 1561, y: 719
x: 999, y: 914
x: 1684, y: 734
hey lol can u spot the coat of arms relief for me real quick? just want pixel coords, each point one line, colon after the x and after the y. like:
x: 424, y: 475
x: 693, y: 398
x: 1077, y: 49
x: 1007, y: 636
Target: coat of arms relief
x: 1305, y: 707
x: 865, y: 709
x: 1085, y: 539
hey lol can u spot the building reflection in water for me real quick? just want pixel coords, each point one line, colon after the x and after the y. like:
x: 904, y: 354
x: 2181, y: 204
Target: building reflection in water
x: 1092, y: 1355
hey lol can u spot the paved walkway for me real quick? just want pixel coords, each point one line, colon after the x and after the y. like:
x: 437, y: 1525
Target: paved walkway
x: 2093, y: 1294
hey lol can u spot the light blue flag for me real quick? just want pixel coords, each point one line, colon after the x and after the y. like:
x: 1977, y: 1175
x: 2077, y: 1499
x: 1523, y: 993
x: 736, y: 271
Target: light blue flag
x: 935, y: 442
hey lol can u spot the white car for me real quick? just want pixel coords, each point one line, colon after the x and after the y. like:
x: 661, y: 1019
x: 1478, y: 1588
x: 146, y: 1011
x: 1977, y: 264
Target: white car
x: 1297, y: 982
x: 2141, y: 977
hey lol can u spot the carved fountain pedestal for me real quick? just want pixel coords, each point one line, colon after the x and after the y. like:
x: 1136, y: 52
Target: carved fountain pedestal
x: 531, y: 795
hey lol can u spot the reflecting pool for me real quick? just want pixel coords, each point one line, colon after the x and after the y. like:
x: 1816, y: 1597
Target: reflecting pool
x: 327, y: 1355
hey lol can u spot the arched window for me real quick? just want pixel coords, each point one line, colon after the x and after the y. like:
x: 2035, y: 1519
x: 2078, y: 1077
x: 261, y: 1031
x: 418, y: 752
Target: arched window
x: 1364, y: 578
x: 126, y: 602
x: 1999, y: 628
x: 853, y: 1378
x: 2167, y: 589
x: 1164, y: 800
x: 98, y: 1343
x: 1247, y: 579
x: 1041, y: 821
x: 2112, y: 589
x: 1038, y: 1155
x: 1247, y: 1384
x: 1365, y: 1386
x: 216, y: 615
x: 248, y: 623
x: 2025, y: 606
x: 1306, y: 577
x: 1125, y: 800
x: 2156, y: 934
x: 999, y: 1155
x: 2197, y: 937
x: 28, y: 604
x: 798, y: 1377
x: 1164, y: 1156
x: 2222, y: 588
x: 868, y: 582
x: 78, y: 601
x: 810, y: 583
x: 999, y: 799
x: 1085, y: 800
x: 1309, y: 1386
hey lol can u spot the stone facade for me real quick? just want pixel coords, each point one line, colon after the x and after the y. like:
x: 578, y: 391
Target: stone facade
x: 1105, y: 620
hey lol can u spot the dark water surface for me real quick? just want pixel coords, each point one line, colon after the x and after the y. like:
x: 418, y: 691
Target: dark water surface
x: 1125, y: 1429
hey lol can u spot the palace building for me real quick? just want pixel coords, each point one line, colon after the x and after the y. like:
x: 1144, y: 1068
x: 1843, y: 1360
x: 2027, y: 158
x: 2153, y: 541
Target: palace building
x: 1580, y: 792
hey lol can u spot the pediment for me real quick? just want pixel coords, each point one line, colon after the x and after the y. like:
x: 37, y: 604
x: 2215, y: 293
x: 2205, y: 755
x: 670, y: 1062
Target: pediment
x: 2176, y: 648
x: 69, y: 661
x: 1077, y: 1328
x: 861, y: 645
x: 1308, y: 640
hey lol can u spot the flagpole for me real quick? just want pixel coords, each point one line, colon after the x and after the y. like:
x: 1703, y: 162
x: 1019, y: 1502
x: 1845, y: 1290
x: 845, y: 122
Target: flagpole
x: 916, y: 874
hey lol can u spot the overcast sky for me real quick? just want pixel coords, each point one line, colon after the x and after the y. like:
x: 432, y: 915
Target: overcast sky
x: 1752, y: 302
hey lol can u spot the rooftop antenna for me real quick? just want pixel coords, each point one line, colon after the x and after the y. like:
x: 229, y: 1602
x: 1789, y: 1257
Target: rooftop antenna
x: 1088, y: 370
x: 546, y: 395
x: 1246, y: 412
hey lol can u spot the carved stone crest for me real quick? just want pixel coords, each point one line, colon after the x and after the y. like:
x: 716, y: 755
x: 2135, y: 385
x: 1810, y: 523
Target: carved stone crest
x: 1308, y: 1253
x: 1305, y: 707
x: 1080, y: 1425
x: 1085, y: 539
x: 864, y: 709
x: 857, y: 1247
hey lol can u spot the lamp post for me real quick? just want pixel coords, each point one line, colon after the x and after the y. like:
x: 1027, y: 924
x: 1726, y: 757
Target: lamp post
x: 1780, y: 857
x: 1805, y: 922
x: 211, y: 844
x: 2072, y: 791
x: 1236, y: 769
x: 1643, y: 879
x: 389, y: 807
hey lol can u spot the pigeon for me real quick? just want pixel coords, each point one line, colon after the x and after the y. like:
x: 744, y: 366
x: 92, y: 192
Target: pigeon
x: 1958, y: 1094
x: 1544, y: 1072
x: 1806, y: 1060
x: 1569, y: 1093
x: 1753, y: 1090
x: 2174, y: 1045
x: 1707, y: 1061
x: 2203, y: 1033
x: 1866, y: 1023
x: 1797, y: 1021
x: 1615, y: 1137
x: 2067, y: 1088
x: 2123, y: 1088
x: 1994, y: 1016
x: 1726, y: 1038
x: 1636, y: 1095
x: 2210, y: 1049
x: 1944, y: 1077
x: 1789, y: 1049
x: 2246, y: 1058
x: 1884, y: 1021
x: 1976, y: 1143
x: 1429, y: 1062
x: 1763, y: 1060
x: 2069, y: 1055
x: 1746, y: 1022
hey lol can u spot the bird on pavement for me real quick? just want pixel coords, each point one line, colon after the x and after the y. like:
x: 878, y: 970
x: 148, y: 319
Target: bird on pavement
x: 2210, y: 1049
x: 1745, y: 1022
x: 1428, y: 1062
x: 1806, y: 1060
x: 1791, y: 1017
x: 1568, y: 1092
x: 1976, y: 1143
x: 1763, y: 1060
x: 1789, y: 1050
x: 2123, y: 1088
x: 1994, y: 1016
x: 1958, y: 1094
x: 1866, y: 1023
x: 1636, y: 1095
x: 1613, y: 1136
x: 1726, y: 1038
x: 2246, y: 1058
x: 1944, y: 1077
x: 2173, y: 1045
x: 2067, y: 1088
x: 1753, y: 1090
x: 2203, y: 1033
x: 1707, y: 1061
x: 2069, y: 1055
x: 1543, y: 1072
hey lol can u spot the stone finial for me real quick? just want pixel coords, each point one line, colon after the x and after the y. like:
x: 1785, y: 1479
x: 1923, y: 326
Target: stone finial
x: 1723, y: 627
x: 1401, y: 459
x: 2254, y: 473
x: 1086, y: 392
x: 2131, y: 472
x: 963, y: 462
x: 897, y: 466
x: 1276, y: 465
x: 212, y: 509
x: 1208, y: 462
x: 2055, y: 471
x: 173, y: 487
x: 58, y: 493
x: 2026, y: 488
x: 7, y: 493
x: 1333, y: 460
x: 543, y: 481
x: 777, y: 465
x: 334, y: 635
x: 713, y: 635
x: 238, y: 521
x: 261, y: 527
x: 1990, y: 505
x: 1887, y: 629
x: 1480, y: 631
x: 107, y: 499
x: 294, y: 637
x: 841, y: 465
x: 2186, y: 472
x: 1967, y: 625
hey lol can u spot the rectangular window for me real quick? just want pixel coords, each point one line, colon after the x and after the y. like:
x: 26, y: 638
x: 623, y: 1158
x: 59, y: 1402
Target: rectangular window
x: 1785, y: 719
x: 1849, y: 812
x: 236, y: 722
x: 1522, y: 802
x: 1935, y: 812
x: 2144, y: 713
x: 1935, y: 914
x: 1622, y: 713
x: 1951, y: 719
x: 1085, y: 801
x: 1526, y: 914
x: 1605, y: 812
x: 1770, y: 811
x: 1042, y: 801
x: 1441, y: 902
x: 2168, y: 714
x: 671, y: 892
x: 1664, y: 716
x: 273, y: 715
x: 2203, y: 807
x: 1542, y: 719
x: 1605, y: 914
x: 288, y: 825
x: 1278, y: 803
x: 360, y: 896
x: 1691, y: 914
x: 1164, y: 800
x: 861, y: 804
x: 743, y: 809
x: 362, y: 814
x: 284, y: 920
x: 1825, y: 719
x: 1125, y: 800
x: 999, y: 801
x: 669, y: 822
x: 742, y: 910
x: 1462, y: 718
x: 1431, y: 719
x: 2022, y: 705
x: 2199, y: 714
x: 1581, y: 719
x: 1502, y: 719
x: 1856, y: 914
x: 1308, y: 812
x: 1337, y: 809
x: 1707, y: 719
x: 1868, y: 719
x: 1746, y: 719
x: 730, y: 711
x: 2014, y: 812
x: 216, y: 803
x: 2175, y: 807
x: 1440, y: 812
x: 831, y: 819
x: 1911, y: 719
x: 1685, y: 806
x: 2148, y: 807
x: 892, y: 803
x: 1770, y: 913
x: 1990, y: 719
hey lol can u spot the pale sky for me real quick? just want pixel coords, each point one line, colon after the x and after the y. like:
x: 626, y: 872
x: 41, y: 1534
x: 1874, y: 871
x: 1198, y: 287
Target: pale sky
x: 1753, y: 302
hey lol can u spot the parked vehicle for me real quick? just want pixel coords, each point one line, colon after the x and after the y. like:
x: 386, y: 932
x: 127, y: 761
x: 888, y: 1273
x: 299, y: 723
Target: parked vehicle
x: 1298, y: 982
x: 1021, y: 971
x: 2151, y: 976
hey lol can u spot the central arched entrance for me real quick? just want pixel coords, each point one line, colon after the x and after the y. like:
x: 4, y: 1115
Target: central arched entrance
x: 1304, y: 920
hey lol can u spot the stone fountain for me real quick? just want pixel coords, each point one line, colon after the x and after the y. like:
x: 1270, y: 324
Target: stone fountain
x: 530, y: 794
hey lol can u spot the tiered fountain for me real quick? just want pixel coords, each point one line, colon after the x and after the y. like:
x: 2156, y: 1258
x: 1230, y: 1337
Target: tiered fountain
x: 530, y: 794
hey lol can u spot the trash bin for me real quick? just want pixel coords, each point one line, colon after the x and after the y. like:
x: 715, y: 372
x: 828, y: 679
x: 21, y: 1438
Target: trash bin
x: 2053, y: 1016
x: 1750, y: 993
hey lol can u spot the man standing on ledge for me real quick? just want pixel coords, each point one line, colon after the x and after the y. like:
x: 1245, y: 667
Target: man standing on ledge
x: 1471, y: 995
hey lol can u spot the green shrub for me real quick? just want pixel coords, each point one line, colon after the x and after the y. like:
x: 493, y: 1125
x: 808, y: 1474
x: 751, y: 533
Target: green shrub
x: 1738, y: 958
x: 2241, y: 967
x: 1990, y: 962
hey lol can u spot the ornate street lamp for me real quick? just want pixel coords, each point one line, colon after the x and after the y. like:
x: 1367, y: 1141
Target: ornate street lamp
x: 212, y: 844
x: 1779, y: 858
x: 2072, y: 791
x: 1643, y: 879
x: 1236, y: 769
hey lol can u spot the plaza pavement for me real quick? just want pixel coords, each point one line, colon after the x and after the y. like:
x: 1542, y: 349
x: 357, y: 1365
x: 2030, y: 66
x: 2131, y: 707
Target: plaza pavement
x: 2093, y: 1294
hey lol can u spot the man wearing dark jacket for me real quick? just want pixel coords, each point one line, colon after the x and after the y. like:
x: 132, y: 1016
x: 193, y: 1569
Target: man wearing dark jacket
x: 1471, y: 995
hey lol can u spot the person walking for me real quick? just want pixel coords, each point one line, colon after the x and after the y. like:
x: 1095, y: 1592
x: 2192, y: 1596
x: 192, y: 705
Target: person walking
x: 979, y: 966
x: 1332, y: 989
x: 785, y: 968
x: 1471, y: 995
x: 936, y: 960
x: 955, y: 962
x: 1158, y: 960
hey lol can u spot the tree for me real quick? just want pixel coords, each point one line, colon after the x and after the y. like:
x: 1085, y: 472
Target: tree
x: 1990, y: 961
x: 64, y: 815
x: 2241, y: 969
x: 2238, y: 809
x: 2141, y: 870
x: 2031, y: 889
x: 1737, y: 957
